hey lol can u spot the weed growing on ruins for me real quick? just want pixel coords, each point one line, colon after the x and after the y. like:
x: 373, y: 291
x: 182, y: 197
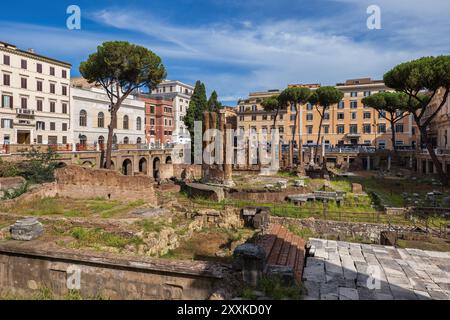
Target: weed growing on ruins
x: 40, y: 165
x: 304, y: 233
x: 275, y: 288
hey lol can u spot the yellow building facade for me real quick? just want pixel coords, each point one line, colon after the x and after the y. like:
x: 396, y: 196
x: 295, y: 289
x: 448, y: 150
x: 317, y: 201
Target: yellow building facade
x: 346, y: 123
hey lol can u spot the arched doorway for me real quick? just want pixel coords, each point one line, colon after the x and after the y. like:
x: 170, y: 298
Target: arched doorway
x: 156, y: 166
x: 169, y: 160
x: 127, y: 167
x: 87, y: 164
x: 143, y: 165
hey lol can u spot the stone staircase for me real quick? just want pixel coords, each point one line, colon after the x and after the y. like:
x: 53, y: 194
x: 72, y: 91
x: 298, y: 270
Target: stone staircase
x: 283, y: 248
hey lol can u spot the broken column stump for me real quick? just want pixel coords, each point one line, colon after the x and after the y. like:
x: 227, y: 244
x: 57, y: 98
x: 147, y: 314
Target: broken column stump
x: 26, y: 229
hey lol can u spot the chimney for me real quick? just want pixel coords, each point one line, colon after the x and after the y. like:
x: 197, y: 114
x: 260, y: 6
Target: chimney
x: 30, y: 50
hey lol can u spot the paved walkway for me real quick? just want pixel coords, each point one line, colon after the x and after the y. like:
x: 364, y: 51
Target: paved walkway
x: 349, y: 271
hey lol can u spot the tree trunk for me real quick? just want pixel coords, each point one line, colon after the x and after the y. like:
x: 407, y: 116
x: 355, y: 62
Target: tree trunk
x: 433, y: 156
x: 110, y: 140
x: 318, y: 135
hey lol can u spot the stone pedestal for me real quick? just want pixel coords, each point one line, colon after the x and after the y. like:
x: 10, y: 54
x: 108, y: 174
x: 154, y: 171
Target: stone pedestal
x: 250, y: 259
x: 26, y: 229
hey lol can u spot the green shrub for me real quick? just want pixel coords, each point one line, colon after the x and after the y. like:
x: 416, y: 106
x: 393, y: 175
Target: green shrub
x: 39, y: 166
x: 16, y: 192
x: 8, y: 169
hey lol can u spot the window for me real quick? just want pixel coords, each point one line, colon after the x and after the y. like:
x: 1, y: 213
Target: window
x: 52, y: 126
x: 253, y: 118
x: 52, y: 106
x: 367, y: 115
x: 52, y: 140
x: 101, y: 120
x: 292, y: 117
x: 139, y: 124
x: 281, y: 129
x: 64, y: 74
x: 40, y: 125
x: 64, y: 140
x: 83, y: 118
x: 39, y: 104
x: 353, y: 104
x: 23, y: 83
x: 139, y: 140
x: 52, y: 88
x: 340, y: 116
x: 326, y: 116
x: 6, y: 60
x: 39, y: 68
x: 6, y: 79
x: 326, y: 129
x: 309, y: 117
x: 52, y: 71
x: 341, y: 105
x: 353, y: 115
x: 7, y: 124
x: 39, y: 86
x: 125, y: 122
x: 399, y: 127
x: 367, y: 93
x: 126, y: 140
x: 101, y: 140
x: 381, y: 128
x: 264, y: 117
x: 64, y: 127
x: 152, y: 122
x: 309, y: 106
x: 23, y: 64
x: 399, y: 142
x: 254, y: 108
x: 354, y: 94
x: 64, y: 90
x: 367, y: 128
x: 382, y: 115
x: 23, y: 103
x: 83, y: 140
x: 64, y: 108
x: 309, y: 129
x: 7, y: 101
x: 340, y: 128
x: 382, y: 144
x: 39, y: 139
x: 354, y: 129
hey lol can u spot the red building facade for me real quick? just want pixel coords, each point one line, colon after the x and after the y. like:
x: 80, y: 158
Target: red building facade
x: 159, y: 120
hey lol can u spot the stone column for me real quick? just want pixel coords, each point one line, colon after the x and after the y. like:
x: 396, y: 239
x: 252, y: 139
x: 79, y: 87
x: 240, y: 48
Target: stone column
x: 323, y: 150
x: 206, y: 127
x: 220, y: 139
x: 291, y: 154
x: 228, y: 155
x: 368, y: 163
x: 311, y: 159
x: 389, y: 163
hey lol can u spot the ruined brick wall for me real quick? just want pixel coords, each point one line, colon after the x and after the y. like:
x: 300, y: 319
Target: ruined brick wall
x: 27, y: 267
x: 194, y: 169
x: 78, y: 182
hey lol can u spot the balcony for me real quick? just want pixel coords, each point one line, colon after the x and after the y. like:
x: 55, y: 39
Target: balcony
x: 25, y: 113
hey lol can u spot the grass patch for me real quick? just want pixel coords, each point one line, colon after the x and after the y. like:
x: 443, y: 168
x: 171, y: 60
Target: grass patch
x: 74, y: 207
x: 95, y: 238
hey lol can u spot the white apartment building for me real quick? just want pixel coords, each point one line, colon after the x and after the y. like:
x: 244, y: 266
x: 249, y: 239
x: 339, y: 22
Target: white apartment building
x: 90, y: 118
x: 35, y: 98
x: 180, y: 93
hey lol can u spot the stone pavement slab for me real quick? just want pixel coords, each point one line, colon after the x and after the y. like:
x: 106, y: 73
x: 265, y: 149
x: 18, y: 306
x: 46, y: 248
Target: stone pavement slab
x: 350, y: 271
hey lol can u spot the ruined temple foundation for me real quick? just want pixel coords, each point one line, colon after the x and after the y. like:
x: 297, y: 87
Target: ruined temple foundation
x: 217, y: 167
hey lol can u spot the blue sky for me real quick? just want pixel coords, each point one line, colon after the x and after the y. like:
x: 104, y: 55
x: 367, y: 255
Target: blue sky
x: 238, y: 46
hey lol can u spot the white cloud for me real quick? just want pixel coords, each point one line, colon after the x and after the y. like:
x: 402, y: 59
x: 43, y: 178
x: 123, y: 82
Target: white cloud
x: 271, y: 54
